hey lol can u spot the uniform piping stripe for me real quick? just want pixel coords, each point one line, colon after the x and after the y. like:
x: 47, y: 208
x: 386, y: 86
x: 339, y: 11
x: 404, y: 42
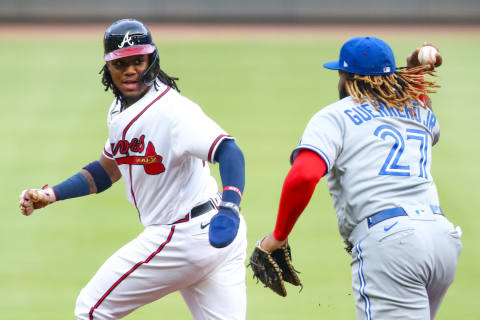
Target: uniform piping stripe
x: 143, y: 111
x: 135, y: 267
x: 317, y: 150
x: 184, y: 219
x: 133, y: 194
x: 214, y: 145
x: 361, y: 278
x: 123, y: 137
x: 108, y: 154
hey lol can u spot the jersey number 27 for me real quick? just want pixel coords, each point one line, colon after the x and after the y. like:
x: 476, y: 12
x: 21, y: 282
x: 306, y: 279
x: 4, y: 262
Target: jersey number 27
x: 391, y: 165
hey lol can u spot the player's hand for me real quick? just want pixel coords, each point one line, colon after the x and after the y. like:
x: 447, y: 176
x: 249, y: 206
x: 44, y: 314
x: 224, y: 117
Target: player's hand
x: 31, y: 199
x: 223, y: 227
x: 270, y: 244
x: 412, y: 59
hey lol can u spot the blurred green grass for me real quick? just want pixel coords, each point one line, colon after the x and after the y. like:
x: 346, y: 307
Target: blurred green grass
x: 263, y: 91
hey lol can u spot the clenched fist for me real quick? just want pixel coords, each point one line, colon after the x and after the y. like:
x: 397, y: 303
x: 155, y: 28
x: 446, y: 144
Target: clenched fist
x: 32, y: 199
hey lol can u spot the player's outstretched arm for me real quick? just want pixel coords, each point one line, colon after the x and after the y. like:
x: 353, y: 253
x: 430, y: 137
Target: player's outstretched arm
x: 271, y: 260
x: 93, y: 178
x: 298, y: 187
x: 224, y: 225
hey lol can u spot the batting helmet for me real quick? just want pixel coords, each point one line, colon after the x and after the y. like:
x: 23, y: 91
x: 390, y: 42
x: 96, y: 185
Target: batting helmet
x: 130, y: 37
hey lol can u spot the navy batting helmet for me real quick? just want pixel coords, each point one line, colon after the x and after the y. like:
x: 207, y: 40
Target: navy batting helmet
x: 130, y: 37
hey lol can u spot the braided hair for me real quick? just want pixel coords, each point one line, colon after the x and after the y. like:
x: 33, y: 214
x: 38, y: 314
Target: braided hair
x: 161, y: 76
x: 397, y: 90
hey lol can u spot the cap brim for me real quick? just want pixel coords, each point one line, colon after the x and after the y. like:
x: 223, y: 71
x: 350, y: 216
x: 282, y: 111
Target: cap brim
x: 333, y: 65
x: 129, y: 51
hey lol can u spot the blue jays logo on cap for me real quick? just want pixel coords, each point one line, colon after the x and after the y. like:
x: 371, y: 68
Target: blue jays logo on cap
x: 368, y: 56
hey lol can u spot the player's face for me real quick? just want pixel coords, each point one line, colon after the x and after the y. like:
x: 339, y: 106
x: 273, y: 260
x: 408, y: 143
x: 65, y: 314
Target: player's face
x: 126, y: 76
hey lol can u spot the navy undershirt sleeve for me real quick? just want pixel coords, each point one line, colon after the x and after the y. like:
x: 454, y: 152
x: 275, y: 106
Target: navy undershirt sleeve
x: 73, y: 187
x: 78, y: 186
x: 232, y: 169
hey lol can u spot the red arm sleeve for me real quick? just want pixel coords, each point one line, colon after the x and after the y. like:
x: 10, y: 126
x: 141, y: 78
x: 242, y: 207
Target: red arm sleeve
x: 307, y: 170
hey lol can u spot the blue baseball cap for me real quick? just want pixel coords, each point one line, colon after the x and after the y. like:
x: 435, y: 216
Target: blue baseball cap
x: 368, y: 56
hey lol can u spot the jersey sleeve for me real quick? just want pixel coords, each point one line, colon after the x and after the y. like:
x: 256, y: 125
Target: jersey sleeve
x: 107, y: 150
x: 436, y: 133
x: 195, y: 134
x: 323, y: 135
x: 113, y: 111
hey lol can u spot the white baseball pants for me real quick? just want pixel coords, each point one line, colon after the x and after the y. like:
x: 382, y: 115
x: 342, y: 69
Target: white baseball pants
x: 168, y: 258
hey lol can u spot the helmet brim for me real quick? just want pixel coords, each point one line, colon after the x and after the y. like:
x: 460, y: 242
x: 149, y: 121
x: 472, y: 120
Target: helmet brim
x: 129, y: 51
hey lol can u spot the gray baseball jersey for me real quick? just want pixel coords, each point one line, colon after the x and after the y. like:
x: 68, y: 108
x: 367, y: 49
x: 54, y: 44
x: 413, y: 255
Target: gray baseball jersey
x: 379, y: 161
x: 375, y: 159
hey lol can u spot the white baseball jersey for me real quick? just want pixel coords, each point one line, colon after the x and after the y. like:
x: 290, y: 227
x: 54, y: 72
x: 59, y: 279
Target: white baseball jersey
x: 375, y: 160
x: 161, y: 145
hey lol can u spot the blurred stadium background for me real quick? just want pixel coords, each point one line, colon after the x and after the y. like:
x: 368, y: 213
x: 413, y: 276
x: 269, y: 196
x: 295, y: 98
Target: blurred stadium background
x: 244, y: 11
x: 256, y: 68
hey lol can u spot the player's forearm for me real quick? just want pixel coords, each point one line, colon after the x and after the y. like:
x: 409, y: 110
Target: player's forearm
x: 225, y: 224
x: 93, y: 178
x: 297, y: 191
x: 232, y: 170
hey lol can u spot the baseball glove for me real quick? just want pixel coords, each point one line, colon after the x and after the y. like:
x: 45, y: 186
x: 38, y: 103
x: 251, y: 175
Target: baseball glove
x: 272, y: 269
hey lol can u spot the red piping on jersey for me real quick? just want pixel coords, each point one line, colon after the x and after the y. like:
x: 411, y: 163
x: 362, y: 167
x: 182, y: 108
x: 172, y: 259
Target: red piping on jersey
x: 184, y: 219
x: 123, y: 137
x: 125, y: 275
x: 214, y: 144
x: 107, y: 153
x: 131, y: 191
x: 142, y: 112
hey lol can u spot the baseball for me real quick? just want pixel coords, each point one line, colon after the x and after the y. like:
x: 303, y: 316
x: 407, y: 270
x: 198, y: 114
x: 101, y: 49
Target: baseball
x: 427, y: 54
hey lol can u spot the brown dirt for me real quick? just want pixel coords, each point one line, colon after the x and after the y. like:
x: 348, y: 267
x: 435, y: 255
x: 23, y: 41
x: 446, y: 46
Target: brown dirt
x: 205, y: 31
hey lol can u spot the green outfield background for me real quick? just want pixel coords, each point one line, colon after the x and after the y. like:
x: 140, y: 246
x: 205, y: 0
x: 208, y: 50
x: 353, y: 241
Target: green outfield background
x: 262, y: 87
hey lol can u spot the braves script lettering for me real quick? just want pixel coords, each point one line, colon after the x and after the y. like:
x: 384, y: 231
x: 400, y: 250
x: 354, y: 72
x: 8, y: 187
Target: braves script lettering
x: 151, y: 161
x: 135, y: 145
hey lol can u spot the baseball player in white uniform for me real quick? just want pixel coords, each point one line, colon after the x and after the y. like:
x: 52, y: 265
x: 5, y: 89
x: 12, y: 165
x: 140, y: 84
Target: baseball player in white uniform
x: 160, y: 142
x: 374, y: 145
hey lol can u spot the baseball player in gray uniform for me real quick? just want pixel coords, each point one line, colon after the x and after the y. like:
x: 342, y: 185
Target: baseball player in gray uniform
x: 374, y: 146
x: 159, y: 143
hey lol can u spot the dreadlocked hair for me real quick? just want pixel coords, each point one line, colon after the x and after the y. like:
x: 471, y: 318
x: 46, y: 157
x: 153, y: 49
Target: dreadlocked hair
x: 402, y: 88
x: 162, y: 77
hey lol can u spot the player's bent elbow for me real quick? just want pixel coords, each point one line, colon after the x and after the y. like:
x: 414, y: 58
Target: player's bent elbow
x: 111, y: 168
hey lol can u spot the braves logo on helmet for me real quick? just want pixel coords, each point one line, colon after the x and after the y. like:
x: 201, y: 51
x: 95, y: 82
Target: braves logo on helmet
x: 126, y: 40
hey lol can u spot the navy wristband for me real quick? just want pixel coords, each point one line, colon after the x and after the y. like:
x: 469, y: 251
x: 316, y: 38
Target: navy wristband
x: 73, y: 187
x: 99, y: 175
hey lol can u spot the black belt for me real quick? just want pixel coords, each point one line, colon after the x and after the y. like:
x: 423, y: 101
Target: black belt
x: 394, y: 212
x: 201, y: 209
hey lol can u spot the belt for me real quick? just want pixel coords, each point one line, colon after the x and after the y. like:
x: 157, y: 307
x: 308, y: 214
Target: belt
x: 197, y: 211
x: 394, y: 212
x: 201, y: 209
